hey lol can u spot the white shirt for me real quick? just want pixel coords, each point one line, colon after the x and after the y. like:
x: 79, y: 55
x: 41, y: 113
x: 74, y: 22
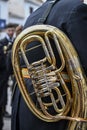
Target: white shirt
x: 85, y: 1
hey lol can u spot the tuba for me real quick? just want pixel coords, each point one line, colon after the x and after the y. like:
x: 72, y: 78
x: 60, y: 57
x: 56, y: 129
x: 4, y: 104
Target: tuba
x: 58, y: 79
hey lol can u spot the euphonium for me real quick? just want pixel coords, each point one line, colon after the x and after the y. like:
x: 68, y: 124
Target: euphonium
x: 60, y: 90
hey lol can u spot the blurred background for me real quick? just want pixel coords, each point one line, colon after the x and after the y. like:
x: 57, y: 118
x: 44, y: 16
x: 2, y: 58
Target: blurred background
x: 16, y: 11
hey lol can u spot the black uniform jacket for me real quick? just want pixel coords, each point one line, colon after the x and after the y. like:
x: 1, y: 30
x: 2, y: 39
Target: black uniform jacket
x: 71, y: 17
x: 3, y: 73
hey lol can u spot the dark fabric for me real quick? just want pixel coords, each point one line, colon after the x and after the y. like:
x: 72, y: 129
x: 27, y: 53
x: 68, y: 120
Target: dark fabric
x: 9, y: 64
x: 1, y: 118
x: 46, y: 12
x: 71, y: 17
x: 4, y: 70
x: 4, y: 75
x: 5, y: 59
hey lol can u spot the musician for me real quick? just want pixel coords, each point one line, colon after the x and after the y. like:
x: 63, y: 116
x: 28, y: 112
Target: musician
x: 5, y: 46
x: 71, y: 17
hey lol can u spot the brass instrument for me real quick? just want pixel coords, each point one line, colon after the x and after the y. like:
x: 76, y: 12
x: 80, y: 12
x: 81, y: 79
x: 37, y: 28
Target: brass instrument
x: 60, y: 88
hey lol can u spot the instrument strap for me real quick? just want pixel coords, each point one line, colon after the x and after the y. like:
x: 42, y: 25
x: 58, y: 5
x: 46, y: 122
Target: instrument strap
x: 45, y: 15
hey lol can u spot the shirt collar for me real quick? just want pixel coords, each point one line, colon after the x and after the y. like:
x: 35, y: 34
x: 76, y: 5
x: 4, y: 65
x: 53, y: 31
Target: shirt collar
x: 9, y: 39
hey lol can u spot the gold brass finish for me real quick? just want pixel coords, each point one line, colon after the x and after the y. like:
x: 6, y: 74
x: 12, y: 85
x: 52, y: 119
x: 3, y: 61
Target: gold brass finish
x: 49, y: 80
x: 6, y: 48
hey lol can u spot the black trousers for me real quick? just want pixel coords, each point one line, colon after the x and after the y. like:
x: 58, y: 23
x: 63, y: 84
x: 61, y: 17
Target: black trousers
x: 1, y: 118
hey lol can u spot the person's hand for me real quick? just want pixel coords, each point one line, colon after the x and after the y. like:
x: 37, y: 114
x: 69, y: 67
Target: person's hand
x: 18, y: 29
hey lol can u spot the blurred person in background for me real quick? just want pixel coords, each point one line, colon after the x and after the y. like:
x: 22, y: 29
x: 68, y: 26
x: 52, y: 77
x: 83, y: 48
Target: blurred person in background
x: 5, y: 47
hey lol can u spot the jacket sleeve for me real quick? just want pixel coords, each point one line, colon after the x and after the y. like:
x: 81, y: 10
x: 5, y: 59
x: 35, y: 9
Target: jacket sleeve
x: 77, y: 32
x: 2, y: 57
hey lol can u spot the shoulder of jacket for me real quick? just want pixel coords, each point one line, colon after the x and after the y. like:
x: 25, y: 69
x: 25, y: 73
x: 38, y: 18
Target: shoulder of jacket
x: 3, y: 40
